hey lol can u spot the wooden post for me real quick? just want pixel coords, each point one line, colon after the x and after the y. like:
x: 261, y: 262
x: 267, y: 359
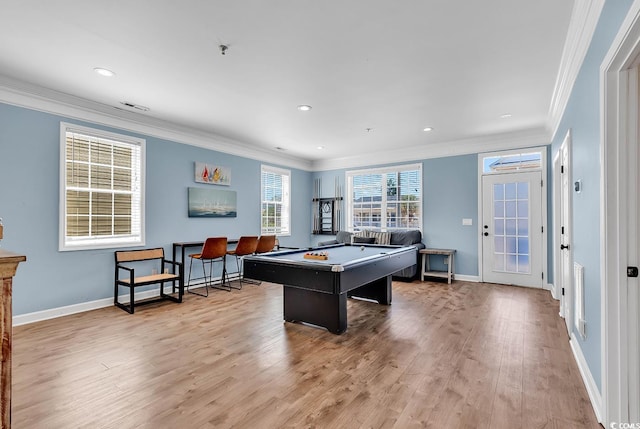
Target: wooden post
x: 8, y: 265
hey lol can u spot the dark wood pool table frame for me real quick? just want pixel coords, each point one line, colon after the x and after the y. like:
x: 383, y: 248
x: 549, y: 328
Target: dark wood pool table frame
x: 316, y: 291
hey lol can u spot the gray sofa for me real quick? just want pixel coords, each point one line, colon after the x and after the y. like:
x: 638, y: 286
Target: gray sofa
x: 398, y: 238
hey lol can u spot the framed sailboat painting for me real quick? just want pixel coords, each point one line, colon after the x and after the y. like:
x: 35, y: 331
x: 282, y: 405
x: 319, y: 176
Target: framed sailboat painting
x: 207, y: 202
x: 212, y: 174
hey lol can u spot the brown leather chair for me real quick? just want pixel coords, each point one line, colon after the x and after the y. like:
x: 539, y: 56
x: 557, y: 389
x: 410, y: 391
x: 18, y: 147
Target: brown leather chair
x: 213, y: 250
x: 266, y: 243
x: 247, y: 245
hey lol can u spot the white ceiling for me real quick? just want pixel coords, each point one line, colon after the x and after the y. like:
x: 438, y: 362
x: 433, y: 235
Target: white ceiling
x: 392, y: 67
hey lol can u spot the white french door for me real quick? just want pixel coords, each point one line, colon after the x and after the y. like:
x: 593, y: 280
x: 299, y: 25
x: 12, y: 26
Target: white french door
x: 512, y: 229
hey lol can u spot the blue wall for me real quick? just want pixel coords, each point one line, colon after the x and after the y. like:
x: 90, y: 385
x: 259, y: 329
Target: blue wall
x: 450, y: 193
x: 582, y: 116
x: 29, y: 194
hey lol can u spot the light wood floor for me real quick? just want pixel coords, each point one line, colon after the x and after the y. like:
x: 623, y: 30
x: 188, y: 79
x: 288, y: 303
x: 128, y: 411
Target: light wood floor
x: 465, y: 355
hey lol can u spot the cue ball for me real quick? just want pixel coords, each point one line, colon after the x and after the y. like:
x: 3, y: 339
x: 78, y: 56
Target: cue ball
x: 361, y: 247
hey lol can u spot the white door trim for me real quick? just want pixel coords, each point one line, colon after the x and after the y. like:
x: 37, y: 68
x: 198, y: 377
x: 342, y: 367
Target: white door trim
x: 632, y: 255
x: 565, y: 288
x: 556, y: 289
x: 543, y: 206
x: 613, y: 216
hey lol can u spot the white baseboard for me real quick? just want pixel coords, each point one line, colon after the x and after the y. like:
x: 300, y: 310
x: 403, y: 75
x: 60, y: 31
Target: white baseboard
x: 39, y: 316
x: 552, y: 288
x: 466, y: 278
x: 589, y: 382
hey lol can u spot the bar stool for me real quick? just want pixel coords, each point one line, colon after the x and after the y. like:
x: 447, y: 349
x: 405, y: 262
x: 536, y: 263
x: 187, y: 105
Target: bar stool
x: 246, y: 246
x: 266, y: 243
x: 213, y: 250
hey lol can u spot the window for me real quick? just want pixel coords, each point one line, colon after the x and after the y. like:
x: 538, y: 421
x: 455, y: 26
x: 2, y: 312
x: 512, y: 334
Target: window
x: 510, y: 162
x: 101, y: 189
x: 385, y: 199
x: 275, y: 202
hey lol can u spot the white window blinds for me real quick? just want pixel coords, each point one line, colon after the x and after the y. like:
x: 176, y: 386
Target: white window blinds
x: 275, y: 201
x: 385, y: 198
x: 101, y: 189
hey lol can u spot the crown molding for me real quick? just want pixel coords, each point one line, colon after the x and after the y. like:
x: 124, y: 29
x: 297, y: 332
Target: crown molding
x: 34, y: 97
x: 584, y: 19
x: 496, y: 142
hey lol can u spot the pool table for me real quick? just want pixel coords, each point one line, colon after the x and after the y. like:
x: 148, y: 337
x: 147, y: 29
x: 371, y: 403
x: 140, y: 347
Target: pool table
x: 316, y: 291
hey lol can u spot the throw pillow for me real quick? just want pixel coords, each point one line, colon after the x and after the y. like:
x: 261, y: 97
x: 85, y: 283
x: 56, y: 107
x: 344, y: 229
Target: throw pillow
x: 381, y: 237
x: 361, y: 234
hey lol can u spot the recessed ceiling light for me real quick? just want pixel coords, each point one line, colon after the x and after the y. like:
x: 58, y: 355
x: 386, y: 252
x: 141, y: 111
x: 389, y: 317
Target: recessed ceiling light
x: 427, y: 129
x: 320, y: 147
x: 104, y: 72
x: 304, y: 107
x: 505, y: 116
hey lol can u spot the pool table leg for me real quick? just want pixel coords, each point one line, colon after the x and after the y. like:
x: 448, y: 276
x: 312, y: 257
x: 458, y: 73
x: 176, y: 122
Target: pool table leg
x: 379, y: 290
x: 318, y: 308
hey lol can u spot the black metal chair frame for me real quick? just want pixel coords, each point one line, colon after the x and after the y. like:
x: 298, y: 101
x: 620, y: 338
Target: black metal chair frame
x: 208, y: 281
x: 240, y: 258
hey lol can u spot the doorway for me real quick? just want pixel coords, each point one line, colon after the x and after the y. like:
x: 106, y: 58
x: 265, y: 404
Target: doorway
x: 620, y: 224
x: 564, y: 237
x: 512, y: 228
x: 633, y: 244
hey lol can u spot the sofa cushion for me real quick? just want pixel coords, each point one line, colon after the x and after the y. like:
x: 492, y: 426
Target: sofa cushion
x: 405, y: 238
x: 363, y: 240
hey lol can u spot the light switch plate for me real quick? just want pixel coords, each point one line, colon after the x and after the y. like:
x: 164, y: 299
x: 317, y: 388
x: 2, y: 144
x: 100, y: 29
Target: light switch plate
x: 467, y: 222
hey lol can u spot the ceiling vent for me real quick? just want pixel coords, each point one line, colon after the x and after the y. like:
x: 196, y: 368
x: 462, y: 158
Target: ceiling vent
x: 134, y: 106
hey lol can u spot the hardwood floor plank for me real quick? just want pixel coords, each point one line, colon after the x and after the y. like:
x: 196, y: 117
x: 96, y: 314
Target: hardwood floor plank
x: 460, y: 355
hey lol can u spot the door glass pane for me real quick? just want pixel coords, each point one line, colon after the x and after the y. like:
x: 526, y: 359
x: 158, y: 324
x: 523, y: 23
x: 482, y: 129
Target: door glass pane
x: 511, y: 227
x: 523, y: 264
x: 523, y: 209
x: 523, y: 227
x: 523, y: 191
x: 523, y: 245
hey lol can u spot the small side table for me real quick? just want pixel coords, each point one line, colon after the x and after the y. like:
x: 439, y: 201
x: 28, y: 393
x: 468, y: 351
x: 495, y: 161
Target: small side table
x: 449, y: 254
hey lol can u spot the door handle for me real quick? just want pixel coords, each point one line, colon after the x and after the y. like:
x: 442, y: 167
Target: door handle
x: 562, y: 247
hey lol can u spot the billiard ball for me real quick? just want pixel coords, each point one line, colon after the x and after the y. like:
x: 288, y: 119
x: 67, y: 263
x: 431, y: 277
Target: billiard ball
x: 361, y: 247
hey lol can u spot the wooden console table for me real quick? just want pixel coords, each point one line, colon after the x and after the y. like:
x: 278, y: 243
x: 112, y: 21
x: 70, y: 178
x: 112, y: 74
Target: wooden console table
x: 8, y: 265
x: 449, y: 256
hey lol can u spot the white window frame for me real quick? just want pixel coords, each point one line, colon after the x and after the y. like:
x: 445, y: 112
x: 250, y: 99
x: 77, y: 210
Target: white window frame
x: 285, y: 230
x: 137, y: 238
x: 349, y: 175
